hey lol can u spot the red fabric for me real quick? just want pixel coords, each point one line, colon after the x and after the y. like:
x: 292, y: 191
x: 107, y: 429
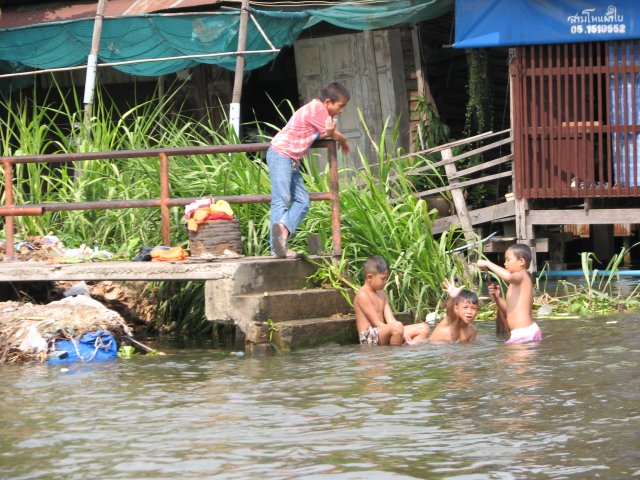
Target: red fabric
x: 219, y: 216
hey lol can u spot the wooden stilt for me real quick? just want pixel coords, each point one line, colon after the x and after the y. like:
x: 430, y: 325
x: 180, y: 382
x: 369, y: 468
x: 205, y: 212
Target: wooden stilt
x: 524, y: 230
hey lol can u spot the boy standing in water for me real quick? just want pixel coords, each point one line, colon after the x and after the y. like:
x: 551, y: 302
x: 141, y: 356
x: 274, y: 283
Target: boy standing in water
x: 289, y: 197
x: 374, y: 319
x: 517, y: 306
x: 462, y: 309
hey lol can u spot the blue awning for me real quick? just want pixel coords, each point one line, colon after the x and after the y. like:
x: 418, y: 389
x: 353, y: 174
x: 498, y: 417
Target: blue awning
x: 493, y: 23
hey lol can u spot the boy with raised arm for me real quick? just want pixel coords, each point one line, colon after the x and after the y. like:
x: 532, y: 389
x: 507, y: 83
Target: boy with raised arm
x: 374, y: 319
x: 462, y: 308
x: 516, y: 308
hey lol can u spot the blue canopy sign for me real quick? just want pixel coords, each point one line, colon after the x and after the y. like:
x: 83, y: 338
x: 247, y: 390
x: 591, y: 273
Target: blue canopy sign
x: 493, y: 23
x: 591, y: 22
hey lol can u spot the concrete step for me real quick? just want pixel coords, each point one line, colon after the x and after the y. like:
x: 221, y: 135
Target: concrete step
x: 272, y: 274
x: 312, y: 332
x: 283, y: 306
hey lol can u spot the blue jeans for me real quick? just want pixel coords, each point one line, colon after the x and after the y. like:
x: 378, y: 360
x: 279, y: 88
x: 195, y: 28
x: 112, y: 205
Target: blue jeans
x: 289, y: 197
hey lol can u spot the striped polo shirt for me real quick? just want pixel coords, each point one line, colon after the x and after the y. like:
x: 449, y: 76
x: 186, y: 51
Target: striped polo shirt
x: 302, y: 129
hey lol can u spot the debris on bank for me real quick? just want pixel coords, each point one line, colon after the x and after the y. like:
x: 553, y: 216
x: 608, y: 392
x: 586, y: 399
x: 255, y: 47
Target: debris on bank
x: 76, y: 328
x: 50, y: 248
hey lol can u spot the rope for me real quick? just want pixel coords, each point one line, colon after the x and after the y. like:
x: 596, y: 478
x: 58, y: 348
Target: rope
x: 99, y: 343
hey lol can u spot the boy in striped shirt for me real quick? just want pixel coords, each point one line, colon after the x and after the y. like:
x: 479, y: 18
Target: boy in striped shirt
x: 289, y: 197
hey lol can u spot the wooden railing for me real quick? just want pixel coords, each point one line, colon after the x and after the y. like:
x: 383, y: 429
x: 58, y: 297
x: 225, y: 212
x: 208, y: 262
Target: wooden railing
x: 165, y: 202
x: 495, y: 164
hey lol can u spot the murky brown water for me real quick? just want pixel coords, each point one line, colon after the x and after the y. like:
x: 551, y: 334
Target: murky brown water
x: 566, y: 408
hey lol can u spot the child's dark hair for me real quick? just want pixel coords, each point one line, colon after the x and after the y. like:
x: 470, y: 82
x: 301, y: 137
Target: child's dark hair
x: 335, y: 92
x: 466, y: 296
x: 375, y: 264
x: 520, y: 250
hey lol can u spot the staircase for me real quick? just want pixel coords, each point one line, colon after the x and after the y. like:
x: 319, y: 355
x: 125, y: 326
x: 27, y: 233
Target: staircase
x: 269, y: 305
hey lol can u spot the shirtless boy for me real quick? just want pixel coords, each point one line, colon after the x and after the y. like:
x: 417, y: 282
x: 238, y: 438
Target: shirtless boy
x: 374, y: 318
x: 462, y: 309
x: 516, y: 308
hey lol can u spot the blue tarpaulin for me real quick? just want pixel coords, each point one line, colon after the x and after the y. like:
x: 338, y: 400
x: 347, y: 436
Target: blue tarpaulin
x: 91, y: 347
x: 493, y: 23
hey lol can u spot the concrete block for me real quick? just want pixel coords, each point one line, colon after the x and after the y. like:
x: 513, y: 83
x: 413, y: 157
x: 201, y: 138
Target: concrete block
x: 312, y: 332
x: 281, y: 306
x: 270, y: 275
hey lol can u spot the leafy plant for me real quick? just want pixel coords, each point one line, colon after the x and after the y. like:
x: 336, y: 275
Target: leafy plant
x: 479, y: 113
x: 333, y: 273
x: 431, y: 131
x: 272, y: 329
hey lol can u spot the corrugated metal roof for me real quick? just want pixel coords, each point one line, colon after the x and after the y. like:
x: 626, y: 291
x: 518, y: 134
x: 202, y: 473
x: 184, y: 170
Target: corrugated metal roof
x: 12, y: 16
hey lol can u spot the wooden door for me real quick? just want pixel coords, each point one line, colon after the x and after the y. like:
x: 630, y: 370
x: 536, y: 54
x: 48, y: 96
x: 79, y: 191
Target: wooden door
x: 368, y: 65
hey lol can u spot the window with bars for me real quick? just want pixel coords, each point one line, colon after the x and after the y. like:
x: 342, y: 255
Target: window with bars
x: 576, y: 120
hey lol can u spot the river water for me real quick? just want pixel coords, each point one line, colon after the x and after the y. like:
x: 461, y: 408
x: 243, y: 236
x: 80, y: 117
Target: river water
x: 566, y: 408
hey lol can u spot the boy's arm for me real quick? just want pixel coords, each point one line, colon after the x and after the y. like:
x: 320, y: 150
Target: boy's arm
x: 330, y: 131
x: 365, y: 307
x: 342, y: 141
x: 503, y: 273
x: 453, y: 292
x: 494, y: 292
x: 389, y: 317
x: 501, y: 320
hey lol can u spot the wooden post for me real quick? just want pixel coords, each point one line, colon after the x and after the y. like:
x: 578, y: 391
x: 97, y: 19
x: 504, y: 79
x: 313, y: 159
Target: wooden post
x: 92, y: 65
x: 234, y: 108
x: 458, y: 198
x: 524, y: 230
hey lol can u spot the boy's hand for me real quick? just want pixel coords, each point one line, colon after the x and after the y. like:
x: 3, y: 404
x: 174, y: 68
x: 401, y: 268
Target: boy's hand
x: 494, y: 290
x: 482, y: 263
x: 329, y: 126
x: 451, y: 289
x: 344, y: 145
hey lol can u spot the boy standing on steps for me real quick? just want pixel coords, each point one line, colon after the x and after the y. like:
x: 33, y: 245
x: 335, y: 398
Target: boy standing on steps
x: 289, y: 197
x: 517, y: 306
x: 374, y: 319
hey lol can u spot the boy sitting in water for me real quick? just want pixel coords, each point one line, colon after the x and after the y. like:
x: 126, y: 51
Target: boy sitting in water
x: 374, y: 318
x: 516, y: 308
x: 462, y: 309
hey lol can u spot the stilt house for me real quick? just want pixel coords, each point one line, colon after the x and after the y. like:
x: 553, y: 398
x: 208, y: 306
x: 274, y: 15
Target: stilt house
x: 574, y: 69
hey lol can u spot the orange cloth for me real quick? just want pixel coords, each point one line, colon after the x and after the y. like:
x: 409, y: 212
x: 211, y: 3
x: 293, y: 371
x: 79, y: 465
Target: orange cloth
x: 220, y: 210
x: 172, y: 255
x: 199, y: 216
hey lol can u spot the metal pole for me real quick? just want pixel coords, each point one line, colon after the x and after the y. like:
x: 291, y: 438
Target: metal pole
x: 234, y: 108
x: 8, y: 201
x: 92, y: 64
x: 334, y: 188
x: 164, y: 199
